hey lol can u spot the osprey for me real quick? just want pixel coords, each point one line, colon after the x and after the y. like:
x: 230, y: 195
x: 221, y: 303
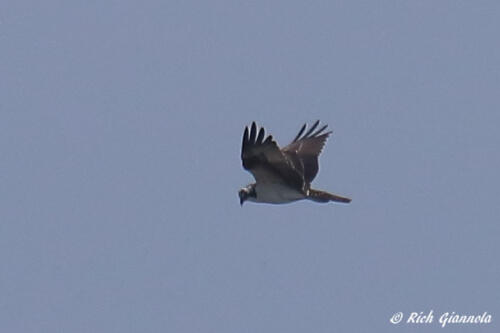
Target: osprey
x: 284, y: 175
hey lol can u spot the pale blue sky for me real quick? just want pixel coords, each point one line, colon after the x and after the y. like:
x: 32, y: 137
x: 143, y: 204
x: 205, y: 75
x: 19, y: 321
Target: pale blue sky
x: 120, y: 133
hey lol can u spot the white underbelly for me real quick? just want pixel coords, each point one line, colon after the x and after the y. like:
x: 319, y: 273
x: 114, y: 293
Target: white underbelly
x: 276, y: 193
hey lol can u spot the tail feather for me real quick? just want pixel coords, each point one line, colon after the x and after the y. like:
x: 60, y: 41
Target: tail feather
x: 322, y: 196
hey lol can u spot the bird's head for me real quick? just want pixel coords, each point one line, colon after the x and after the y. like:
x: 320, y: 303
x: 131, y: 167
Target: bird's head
x: 247, y: 193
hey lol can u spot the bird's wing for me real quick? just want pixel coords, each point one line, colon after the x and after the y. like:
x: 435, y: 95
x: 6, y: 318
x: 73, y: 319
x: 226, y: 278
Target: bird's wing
x: 265, y: 160
x: 304, y: 150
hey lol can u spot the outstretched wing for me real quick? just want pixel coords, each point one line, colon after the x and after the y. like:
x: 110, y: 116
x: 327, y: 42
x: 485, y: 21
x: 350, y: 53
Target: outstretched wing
x: 304, y: 150
x: 265, y: 160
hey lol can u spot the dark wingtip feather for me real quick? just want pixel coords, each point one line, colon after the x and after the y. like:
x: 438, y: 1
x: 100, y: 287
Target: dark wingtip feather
x: 260, y: 137
x: 245, y: 135
x: 253, y: 132
x: 244, y: 141
x: 319, y: 131
x: 300, y: 132
x: 312, y: 129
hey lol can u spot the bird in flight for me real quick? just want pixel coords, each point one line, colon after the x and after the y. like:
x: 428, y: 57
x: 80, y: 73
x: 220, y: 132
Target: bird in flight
x: 284, y: 175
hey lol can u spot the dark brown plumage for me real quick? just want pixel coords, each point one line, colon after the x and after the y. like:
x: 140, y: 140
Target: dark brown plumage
x: 297, y: 162
x: 284, y: 175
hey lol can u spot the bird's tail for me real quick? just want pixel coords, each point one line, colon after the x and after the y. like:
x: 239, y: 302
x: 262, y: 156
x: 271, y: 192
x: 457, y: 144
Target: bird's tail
x: 322, y: 196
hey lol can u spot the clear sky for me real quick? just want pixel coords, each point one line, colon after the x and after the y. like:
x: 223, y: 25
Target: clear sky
x: 120, y: 133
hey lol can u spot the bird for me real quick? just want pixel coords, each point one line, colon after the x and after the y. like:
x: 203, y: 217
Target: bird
x: 284, y: 175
